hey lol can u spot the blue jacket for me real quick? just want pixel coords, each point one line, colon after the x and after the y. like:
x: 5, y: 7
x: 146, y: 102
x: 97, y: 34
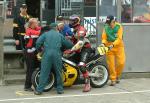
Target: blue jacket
x: 66, y: 31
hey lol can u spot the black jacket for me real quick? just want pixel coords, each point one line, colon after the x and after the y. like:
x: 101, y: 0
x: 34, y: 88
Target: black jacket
x: 19, y: 26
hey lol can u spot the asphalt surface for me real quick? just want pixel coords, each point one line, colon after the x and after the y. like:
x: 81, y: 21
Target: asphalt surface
x: 128, y: 91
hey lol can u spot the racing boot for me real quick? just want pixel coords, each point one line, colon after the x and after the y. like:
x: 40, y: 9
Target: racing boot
x: 87, y: 86
x: 113, y: 83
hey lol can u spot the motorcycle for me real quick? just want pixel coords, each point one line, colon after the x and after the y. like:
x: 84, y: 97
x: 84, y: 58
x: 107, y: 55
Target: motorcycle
x: 72, y: 75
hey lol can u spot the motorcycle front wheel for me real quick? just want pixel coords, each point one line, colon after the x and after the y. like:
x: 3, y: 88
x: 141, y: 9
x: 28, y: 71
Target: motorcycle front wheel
x: 35, y: 80
x: 102, y: 75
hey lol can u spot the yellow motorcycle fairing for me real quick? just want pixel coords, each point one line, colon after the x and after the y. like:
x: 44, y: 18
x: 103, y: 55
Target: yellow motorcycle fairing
x: 70, y: 75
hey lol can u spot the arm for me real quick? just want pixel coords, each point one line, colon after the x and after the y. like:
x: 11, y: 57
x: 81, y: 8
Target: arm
x: 78, y: 45
x: 38, y: 28
x: 33, y: 32
x: 69, y: 32
x: 66, y: 43
x: 104, y: 37
x: 40, y: 41
x: 81, y: 39
x: 15, y: 29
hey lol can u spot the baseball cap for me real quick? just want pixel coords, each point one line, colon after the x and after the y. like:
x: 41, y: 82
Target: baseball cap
x: 59, y: 18
x: 53, y: 25
x: 23, y: 6
x: 109, y: 19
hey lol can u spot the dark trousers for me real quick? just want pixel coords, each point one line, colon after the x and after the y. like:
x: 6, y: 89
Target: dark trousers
x: 50, y: 60
x: 21, y: 46
x: 83, y: 56
x: 32, y: 64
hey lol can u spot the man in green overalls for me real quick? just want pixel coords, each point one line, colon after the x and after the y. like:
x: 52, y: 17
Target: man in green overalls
x: 52, y: 41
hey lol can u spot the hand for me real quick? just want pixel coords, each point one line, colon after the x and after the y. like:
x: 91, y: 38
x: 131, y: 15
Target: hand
x: 68, y: 37
x: 110, y: 47
x: 39, y: 56
x: 17, y: 42
x: 68, y: 51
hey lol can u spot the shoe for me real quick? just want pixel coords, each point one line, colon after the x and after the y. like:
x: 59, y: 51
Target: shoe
x: 118, y: 81
x: 37, y: 93
x: 113, y: 83
x: 87, y: 87
x: 60, y: 92
x: 28, y: 89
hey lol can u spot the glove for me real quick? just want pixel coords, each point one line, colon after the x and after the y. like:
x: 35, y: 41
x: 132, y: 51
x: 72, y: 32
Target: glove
x: 102, y: 45
x: 68, y: 51
x: 102, y: 50
x: 39, y: 56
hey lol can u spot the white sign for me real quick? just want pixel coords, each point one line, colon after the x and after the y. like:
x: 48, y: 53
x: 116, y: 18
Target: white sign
x: 76, y: 0
x: 126, y: 2
x: 91, y: 29
x: 93, y: 19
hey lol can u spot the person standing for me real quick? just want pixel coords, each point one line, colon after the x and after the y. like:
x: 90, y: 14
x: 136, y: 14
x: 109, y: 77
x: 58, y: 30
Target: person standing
x: 112, y: 37
x: 32, y: 33
x: 19, y: 27
x: 52, y: 41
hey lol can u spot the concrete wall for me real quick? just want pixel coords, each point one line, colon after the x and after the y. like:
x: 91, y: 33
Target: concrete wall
x: 11, y: 60
x: 8, y: 28
x: 137, y: 47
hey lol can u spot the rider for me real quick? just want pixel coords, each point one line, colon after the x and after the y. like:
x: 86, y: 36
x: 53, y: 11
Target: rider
x: 82, y: 47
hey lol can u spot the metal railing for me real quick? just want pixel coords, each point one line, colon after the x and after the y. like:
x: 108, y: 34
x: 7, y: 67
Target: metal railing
x: 71, y: 4
x: 69, y: 7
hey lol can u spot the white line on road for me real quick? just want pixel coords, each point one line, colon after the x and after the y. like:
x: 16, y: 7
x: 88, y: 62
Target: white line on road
x: 67, y: 96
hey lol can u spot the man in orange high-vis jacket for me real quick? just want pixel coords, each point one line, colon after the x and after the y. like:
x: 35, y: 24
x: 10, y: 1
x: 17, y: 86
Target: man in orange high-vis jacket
x: 112, y: 37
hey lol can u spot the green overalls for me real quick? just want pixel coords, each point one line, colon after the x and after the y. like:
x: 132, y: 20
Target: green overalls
x: 52, y: 41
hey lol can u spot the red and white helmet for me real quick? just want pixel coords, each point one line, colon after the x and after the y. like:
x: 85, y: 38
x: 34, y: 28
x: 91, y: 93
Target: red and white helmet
x: 74, y: 20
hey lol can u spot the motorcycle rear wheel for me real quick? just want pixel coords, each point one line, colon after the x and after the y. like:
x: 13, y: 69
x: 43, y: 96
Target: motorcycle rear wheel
x: 35, y: 80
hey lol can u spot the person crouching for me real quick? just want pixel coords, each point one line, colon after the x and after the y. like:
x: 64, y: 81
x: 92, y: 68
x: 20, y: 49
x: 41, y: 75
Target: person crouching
x: 32, y: 33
